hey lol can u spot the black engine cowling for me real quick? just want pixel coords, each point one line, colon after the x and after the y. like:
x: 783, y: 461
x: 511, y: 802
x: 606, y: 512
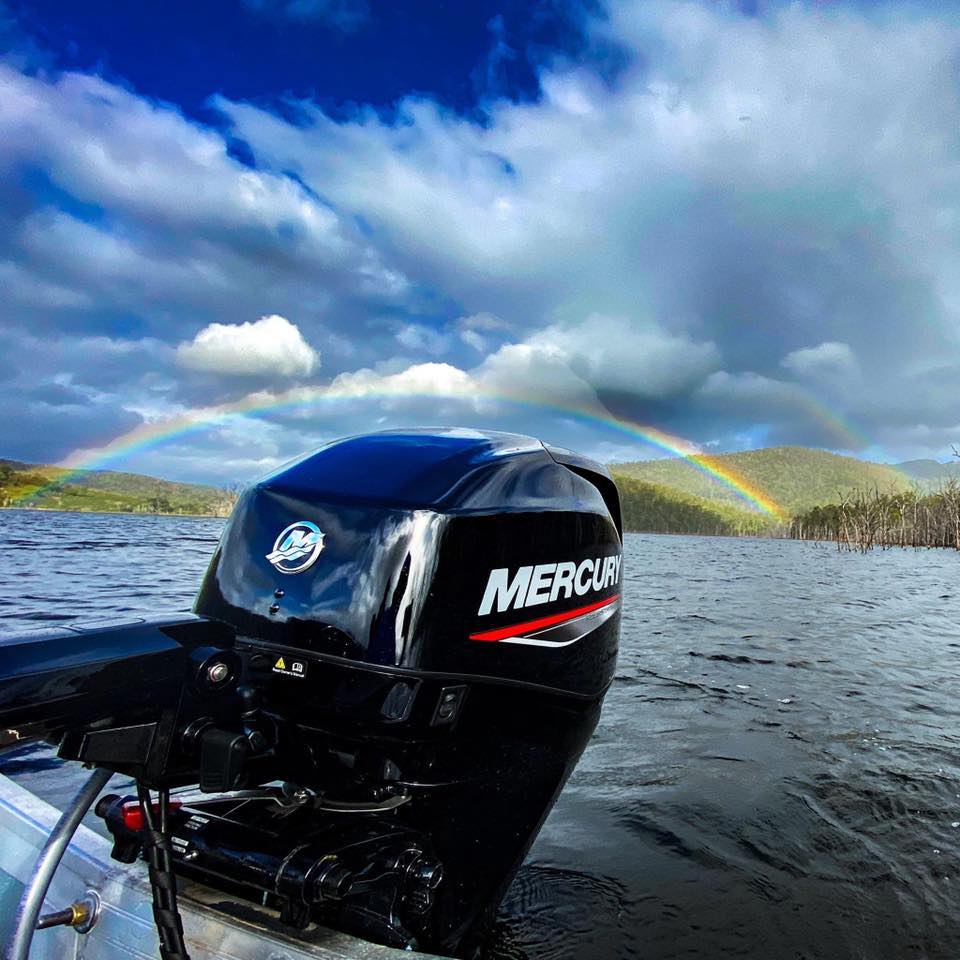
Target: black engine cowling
x: 414, y: 630
x: 433, y: 553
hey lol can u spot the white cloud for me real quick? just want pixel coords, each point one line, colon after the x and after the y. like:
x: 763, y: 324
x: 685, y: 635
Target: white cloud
x: 21, y: 286
x: 475, y: 329
x: 750, y: 391
x: 418, y: 380
x: 473, y: 339
x: 537, y: 372
x: 182, y: 228
x: 617, y: 353
x: 829, y: 359
x: 553, y: 365
x: 269, y: 347
x: 421, y: 339
x: 106, y: 145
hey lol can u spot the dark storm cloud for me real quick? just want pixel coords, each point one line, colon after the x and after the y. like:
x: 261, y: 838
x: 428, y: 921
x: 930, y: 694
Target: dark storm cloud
x: 39, y: 432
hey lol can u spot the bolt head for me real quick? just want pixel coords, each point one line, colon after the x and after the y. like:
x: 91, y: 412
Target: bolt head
x: 218, y: 672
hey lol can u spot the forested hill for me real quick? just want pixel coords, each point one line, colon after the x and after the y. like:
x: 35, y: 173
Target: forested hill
x: 40, y: 486
x: 797, y: 478
x: 651, y: 508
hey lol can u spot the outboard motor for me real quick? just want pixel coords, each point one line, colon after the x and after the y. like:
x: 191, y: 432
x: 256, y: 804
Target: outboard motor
x: 410, y: 632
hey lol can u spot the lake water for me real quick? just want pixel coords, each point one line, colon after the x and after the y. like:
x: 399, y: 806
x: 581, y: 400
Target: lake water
x: 776, y: 773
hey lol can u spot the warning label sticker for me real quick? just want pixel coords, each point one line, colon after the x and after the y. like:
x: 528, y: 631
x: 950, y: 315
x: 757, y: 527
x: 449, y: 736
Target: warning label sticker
x: 290, y: 668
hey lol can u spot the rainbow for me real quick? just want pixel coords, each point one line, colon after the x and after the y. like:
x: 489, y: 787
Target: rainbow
x: 155, y: 433
x: 849, y: 436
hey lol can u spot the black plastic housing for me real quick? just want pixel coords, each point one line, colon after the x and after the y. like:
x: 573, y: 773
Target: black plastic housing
x: 414, y: 522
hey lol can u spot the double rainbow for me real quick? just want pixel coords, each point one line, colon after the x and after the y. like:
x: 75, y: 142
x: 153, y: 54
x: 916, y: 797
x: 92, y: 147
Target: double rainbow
x: 154, y: 434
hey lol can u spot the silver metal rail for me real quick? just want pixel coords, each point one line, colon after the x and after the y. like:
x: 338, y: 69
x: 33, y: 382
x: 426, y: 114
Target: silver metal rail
x: 31, y: 902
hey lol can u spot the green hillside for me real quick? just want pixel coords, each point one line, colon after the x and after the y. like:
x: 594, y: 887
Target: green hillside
x: 650, y: 508
x: 797, y: 478
x: 44, y: 487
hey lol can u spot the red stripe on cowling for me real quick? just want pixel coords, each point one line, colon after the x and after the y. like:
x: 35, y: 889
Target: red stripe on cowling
x: 501, y: 633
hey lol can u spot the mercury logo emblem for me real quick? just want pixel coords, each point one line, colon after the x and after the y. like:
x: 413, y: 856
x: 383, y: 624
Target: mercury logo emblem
x: 297, y: 547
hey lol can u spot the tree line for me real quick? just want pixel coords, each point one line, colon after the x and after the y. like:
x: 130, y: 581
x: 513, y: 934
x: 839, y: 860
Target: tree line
x: 35, y: 489
x: 864, y: 519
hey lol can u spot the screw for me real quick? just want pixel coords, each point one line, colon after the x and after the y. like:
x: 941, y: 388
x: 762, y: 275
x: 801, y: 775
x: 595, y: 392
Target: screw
x: 278, y: 592
x: 274, y: 607
x: 218, y: 672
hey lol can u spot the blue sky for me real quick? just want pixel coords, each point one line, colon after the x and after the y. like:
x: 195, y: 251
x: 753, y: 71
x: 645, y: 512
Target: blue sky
x: 736, y: 223
x: 336, y: 52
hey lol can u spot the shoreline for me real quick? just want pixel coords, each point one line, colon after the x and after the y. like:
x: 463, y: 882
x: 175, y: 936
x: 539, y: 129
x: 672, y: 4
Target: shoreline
x: 120, y: 513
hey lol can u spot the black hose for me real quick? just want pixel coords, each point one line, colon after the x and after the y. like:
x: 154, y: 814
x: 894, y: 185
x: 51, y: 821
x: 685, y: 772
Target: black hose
x: 163, y: 882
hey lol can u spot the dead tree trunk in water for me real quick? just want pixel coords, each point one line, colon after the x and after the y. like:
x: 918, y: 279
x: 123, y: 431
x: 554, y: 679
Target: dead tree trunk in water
x: 863, y: 519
